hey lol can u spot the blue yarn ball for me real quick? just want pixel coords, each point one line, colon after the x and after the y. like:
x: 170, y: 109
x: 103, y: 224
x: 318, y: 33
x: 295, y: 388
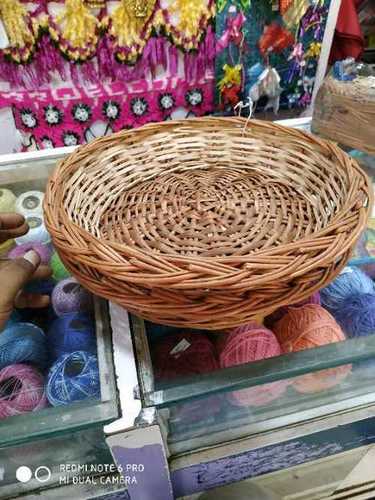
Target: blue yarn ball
x: 14, y: 318
x: 350, y: 282
x: 23, y: 343
x: 356, y: 315
x: 71, y: 332
x: 73, y: 377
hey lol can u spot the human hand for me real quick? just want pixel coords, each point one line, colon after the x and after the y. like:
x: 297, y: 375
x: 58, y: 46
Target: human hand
x: 12, y: 226
x: 14, y: 275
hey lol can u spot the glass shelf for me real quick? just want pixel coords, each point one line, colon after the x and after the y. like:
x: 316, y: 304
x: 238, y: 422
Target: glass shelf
x: 76, y: 430
x: 200, y: 410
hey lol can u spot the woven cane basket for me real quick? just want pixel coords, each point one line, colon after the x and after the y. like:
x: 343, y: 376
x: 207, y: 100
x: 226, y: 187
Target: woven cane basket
x: 206, y: 223
x: 345, y: 112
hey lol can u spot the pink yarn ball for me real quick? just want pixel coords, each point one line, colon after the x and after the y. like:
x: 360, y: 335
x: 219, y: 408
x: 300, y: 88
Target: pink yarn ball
x: 43, y: 251
x: 249, y: 343
x: 21, y: 390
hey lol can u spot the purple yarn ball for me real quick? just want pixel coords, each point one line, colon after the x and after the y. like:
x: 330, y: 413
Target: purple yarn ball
x: 356, y: 315
x: 44, y: 251
x: 69, y: 296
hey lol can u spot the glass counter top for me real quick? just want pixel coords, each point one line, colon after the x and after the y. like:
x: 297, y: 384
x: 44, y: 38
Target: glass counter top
x: 28, y: 172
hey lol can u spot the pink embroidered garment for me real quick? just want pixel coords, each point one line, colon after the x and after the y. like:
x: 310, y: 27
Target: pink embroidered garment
x: 75, y: 115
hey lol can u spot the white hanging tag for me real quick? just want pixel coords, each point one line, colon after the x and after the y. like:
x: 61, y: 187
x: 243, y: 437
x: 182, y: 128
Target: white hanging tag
x: 182, y: 346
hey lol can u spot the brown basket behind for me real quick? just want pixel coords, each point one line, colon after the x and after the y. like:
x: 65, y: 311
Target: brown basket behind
x: 204, y: 224
x: 344, y: 112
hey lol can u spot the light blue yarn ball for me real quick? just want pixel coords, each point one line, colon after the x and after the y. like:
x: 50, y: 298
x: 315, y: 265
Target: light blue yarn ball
x: 23, y: 343
x: 351, y: 281
x: 73, y: 377
x: 14, y: 318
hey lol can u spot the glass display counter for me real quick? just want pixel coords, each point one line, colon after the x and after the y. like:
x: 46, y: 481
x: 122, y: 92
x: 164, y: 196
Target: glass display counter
x: 186, y: 433
x: 45, y: 440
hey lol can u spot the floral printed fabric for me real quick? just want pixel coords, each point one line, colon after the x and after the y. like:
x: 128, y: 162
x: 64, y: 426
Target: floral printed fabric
x: 72, y: 116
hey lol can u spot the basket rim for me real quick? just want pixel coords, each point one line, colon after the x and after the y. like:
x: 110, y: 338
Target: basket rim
x: 241, y: 124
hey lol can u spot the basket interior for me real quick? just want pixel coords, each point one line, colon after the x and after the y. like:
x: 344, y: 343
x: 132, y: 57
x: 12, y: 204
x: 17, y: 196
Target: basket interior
x: 205, y: 192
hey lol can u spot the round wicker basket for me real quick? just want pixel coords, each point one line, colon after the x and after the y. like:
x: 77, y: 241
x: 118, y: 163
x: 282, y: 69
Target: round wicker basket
x: 206, y: 223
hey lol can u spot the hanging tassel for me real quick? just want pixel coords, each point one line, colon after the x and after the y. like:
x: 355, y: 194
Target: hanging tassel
x: 76, y: 31
x: 130, y: 28
x: 190, y: 14
x: 19, y: 29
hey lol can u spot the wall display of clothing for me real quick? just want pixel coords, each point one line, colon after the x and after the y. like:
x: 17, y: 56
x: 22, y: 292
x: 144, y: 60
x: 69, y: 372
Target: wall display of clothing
x: 71, y: 116
x: 80, y: 69
x: 126, y: 39
x: 268, y: 51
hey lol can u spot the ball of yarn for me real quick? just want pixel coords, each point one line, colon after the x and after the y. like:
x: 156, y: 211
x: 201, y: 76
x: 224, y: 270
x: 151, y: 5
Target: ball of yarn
x: 15, y: 317
x: 70, y: 333
x: 279, y: 313
x: 69, y: 296
x: 350, y: 282
x: 73, y: 377
x: 307, y: 327
x: 7, y: 201
x: 184, y: 354
x: 356, y: 315
x: 21, y: 390
x: 30, y: 203
x: 43, y: 251
x: 23, y: 343
x: 59, y: 271
x: 246, y: 344
x: 37, y: 232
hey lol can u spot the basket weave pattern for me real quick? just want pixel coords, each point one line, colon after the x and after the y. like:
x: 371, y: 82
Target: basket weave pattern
x: 204, y: 223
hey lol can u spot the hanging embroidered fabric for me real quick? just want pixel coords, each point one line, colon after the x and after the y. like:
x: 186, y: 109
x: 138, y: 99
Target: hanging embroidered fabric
x: 71, y: 116
x: 22, y: 31
x: 129, y: 28
x: 187, y: 32
x: 94, y: 40
x: 75, y: 31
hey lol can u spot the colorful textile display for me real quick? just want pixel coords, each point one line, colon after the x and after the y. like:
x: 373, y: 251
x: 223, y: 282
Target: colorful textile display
x: 104, y: 40
x: 278, y: 47
x: 71, y: 116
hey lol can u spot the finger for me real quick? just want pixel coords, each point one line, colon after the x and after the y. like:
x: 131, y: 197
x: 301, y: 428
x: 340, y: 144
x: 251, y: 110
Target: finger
x: 14, y: 275
x: 42, y: 273
x: 31, y: 300
x: 7, y: 234
x: 11, y: 220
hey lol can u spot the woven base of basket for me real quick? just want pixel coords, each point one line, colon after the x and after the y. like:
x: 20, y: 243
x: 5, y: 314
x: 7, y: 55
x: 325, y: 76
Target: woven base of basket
x: 206, y: 224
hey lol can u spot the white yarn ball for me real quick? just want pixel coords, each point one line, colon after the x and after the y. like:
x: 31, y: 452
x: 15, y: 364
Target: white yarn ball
x: 37, y: 233
x: 30, y: 203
